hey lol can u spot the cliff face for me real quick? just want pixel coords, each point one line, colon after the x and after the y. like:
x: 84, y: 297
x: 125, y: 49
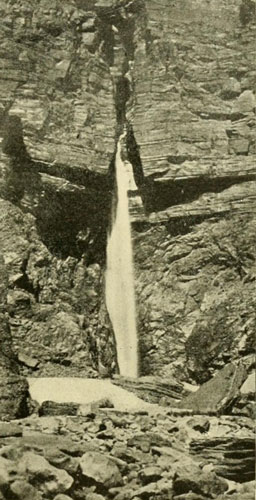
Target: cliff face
x: 181, y: 76
x: 193, y: 116
x: 13, y: 387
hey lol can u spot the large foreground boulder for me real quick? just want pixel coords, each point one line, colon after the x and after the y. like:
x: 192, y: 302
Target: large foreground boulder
x: 218, y: 394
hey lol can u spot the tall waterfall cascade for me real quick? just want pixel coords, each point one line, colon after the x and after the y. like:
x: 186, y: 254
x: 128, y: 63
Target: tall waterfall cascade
x: 120, y: 293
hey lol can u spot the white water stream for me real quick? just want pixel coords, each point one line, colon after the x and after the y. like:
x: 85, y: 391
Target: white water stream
x: 120, y: 295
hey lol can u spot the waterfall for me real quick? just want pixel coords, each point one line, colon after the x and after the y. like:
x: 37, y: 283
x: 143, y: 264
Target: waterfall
x: 120, y: 294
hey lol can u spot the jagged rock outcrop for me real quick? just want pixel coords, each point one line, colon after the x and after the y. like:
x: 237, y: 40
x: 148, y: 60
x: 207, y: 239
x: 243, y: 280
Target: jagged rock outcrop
x: 196, y: 300
x: 181, y: 78
x: 219, y: 393
x: 54, y: 304
x: 14, y: 397
x: 233, y: 457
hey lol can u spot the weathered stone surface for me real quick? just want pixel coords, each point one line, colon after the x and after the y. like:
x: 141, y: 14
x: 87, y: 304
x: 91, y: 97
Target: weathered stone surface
x: 152, y: 389
x: 245, y: 491
x: 53, y: 408
x: 9, y: 429
x: 185, y: 74
x: 249, y: 384
x: 55, y: 302
x: 61, y: 460
x: 14, y: 396
x: 60, y: 129
x: 232, y: 457
x: 150, y: 474
x: 101, y: 469
x: 238, y: 199
x: 39, y: 470
x: 219, y: 393
x: 154, y: 454
x: 197, y: 152
x: 195, y: 294
x: 185, y: 82
x: 28, y: 360
x: 206, y: 484
x: 23, y: 490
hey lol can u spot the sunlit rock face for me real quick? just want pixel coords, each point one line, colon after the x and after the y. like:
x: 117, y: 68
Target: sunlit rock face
x: 181, y: 77
x: 193, y: 117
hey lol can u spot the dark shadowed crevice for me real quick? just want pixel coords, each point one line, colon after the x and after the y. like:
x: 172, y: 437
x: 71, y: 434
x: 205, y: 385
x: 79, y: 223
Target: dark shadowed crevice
x: 161, y: 195
x: 69, y: 224
x: 184, y: 225
x: 108, y: 41
x: 121, y: 98
x: 13, y: 142
x: 25, y: 284
x: 134, y: 157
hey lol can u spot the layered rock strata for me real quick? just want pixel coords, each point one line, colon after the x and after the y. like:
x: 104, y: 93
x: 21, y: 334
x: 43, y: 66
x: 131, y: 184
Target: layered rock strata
x: 180, y: 77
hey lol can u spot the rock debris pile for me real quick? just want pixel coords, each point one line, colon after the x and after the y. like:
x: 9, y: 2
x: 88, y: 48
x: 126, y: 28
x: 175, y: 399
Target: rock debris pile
x: 110, y: 454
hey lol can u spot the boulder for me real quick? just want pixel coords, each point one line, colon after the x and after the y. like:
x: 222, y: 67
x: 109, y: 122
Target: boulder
x: 49, y: 479
x: 61, y: 460
x: 49, y: 408
x: 101, y: 403
x: 205, y: 484
x: 14, y: 395
x: 245, y: 103
x: 28, y: 361
x: 189, y: 496
x: 10, y: 430
x: 152, y: 389
x: 218, y: 394
x: 200, y: 424
x: 249, y: 384
x: 150, y: 474
x: 232, y: 457
x: 22, y: 490
x: 101, y: 469
x: 8, y: 471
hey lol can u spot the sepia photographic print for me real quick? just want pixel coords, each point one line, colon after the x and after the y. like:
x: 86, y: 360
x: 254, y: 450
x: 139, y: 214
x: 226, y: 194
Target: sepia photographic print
x: 127, y: 249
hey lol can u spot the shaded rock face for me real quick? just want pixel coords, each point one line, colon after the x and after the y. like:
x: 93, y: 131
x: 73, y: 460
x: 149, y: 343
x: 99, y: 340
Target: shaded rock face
x: 14, y: 396
x: 54, y: 305
x: 181, y: 78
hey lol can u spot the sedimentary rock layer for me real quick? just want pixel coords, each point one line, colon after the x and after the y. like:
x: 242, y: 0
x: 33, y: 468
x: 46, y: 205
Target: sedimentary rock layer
x: 180, y: 77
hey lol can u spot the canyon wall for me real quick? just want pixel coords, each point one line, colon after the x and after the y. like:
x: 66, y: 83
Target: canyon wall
x: 180, y: 75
